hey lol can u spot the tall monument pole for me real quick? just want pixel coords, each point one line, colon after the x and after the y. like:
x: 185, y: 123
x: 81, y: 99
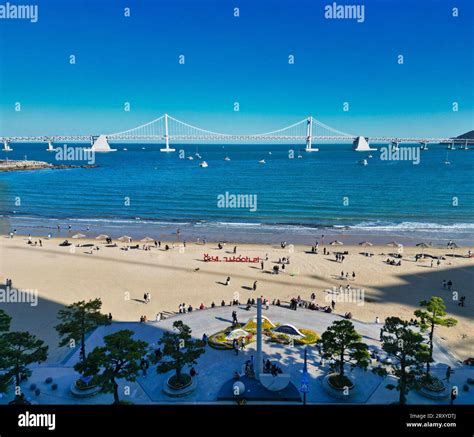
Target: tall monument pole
x: 259, y: 364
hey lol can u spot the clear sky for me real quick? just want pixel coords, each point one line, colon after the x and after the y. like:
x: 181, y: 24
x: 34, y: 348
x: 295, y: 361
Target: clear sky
x: 238, y: 59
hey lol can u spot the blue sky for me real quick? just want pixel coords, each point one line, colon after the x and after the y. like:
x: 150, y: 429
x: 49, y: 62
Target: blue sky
x: 135, y: 59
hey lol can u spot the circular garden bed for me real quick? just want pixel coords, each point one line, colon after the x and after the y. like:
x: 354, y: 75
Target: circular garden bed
x: 176, y: 389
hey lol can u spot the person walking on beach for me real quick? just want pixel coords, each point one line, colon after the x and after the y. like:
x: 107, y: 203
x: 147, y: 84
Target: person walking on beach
x: 235, y: 249
x: 227, y: 280
x: 353, y: 276
x: 145, y: 297
x: 255, y: 286
x: 333, y: 305
x: 262, y: 265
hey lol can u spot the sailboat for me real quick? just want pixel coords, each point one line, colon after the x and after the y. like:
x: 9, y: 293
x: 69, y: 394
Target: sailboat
x: 262, y: 161
x: 203, y: 164
x: 226, y: 158
x: 446, y: 162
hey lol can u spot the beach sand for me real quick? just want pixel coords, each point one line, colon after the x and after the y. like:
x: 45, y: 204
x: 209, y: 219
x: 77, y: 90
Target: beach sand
x: 120, y: 278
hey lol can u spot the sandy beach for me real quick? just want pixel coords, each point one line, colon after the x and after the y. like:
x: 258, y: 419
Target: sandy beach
x: 62, y: 275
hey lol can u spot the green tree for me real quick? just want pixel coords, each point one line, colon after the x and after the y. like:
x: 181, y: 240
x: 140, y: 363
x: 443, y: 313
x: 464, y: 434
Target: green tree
x: 341, y: 344
x: 77, y: 320
x: 119, y: 358
x: 434, y: 315
x: 179, y: 349
x: 409, y: 351
x: 5, y: 320
x: 17, y: 351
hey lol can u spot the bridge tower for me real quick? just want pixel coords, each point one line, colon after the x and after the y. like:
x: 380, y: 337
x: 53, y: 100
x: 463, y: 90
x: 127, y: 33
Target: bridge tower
x: 50, y: 146
x: 309, y: 136
x: 167, y: 138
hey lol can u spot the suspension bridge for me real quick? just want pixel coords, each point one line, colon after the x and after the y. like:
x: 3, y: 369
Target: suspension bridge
x: 170, y: 130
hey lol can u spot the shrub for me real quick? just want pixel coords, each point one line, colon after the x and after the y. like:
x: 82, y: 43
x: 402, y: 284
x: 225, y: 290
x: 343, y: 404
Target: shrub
x: 48, y: 380
x: 177, y: 385
x: 54, y: 386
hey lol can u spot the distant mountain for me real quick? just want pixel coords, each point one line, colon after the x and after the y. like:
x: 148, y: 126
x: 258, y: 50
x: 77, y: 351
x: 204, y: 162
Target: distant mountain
x: 467, y: 136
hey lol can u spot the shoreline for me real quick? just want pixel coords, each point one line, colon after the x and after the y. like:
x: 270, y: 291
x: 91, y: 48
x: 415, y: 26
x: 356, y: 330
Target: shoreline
x: 243, y: 233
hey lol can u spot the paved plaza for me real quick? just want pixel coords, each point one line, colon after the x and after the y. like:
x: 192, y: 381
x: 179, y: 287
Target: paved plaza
x: 215, y: 367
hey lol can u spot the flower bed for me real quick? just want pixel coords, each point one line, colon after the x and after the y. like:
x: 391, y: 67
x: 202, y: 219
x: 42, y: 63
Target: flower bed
x: 220, y: 341
x: 310, y: 337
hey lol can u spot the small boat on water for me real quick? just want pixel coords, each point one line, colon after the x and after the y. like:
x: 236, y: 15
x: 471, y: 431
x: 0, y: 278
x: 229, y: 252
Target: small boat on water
x: 363, y: 162
x: 446, y: 161
x: 370, y: 156
x: 262, y: 161
x: 125, y: 149
x: 203, y: 164
x: 226, y: 158
x: 190, y: 158
x: 143, y: 148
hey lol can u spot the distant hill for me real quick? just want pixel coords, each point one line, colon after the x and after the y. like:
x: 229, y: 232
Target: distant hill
x: 467, y: 136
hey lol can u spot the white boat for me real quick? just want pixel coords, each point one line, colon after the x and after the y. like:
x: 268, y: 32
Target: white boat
x: 143, y: 148
x: 370, y: 156
x: 226, y: 158
x: 125, y: 149
x: 262, y: 161
x: 446, y: 161
x: 190, y: 158
x: 300, y: 156
x: 203, y: 164
x: 269, y: 153
x: 363, y: 162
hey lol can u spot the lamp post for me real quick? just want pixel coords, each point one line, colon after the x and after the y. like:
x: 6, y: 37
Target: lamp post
x: 304, y: 387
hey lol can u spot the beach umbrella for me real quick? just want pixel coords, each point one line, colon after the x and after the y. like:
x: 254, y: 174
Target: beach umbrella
x: 77, y: 236
x: 453, y: 246
x: 125, y: 239
x: 102, y: 237
x: 147, y: 240
x: 365, y: 244
x: 336, y: 243
x: 423, y: 247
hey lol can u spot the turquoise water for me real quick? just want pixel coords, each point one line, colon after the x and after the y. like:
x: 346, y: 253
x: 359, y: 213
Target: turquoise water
x: 144, y: 189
